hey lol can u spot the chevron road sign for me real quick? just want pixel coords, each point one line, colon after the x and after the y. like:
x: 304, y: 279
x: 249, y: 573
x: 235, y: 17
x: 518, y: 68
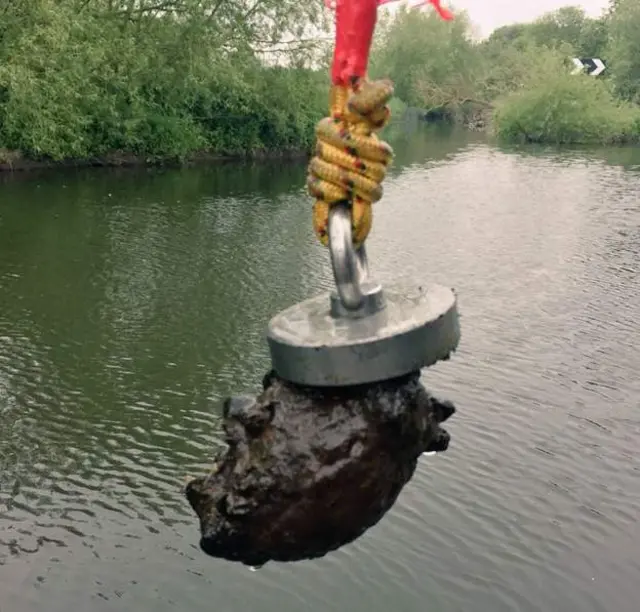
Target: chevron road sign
x: 593, y: 65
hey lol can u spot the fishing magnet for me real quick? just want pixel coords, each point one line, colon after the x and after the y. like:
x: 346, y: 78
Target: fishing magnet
x: 361, y: 333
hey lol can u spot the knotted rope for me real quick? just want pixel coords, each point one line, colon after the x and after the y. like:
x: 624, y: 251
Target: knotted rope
x: 351, y: 161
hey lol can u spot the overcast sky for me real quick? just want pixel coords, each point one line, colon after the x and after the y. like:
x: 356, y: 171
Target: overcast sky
x: 488, y: 15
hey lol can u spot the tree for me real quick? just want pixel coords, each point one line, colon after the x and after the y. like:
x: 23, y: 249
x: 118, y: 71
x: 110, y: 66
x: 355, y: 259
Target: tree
x: 431, y: 62
x: 564, y: 25
x: 83, y: 78
x: 623, y: 51
x: 567, y: 25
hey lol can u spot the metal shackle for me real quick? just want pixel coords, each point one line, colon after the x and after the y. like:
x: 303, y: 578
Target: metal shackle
x: 350, y: 265
x: 357, y: 296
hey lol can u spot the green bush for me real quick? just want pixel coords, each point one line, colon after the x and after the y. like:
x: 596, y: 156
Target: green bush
x: 80, y: 83
x: 520, y: 76
x: 83, y: 79
x: 562, y: 109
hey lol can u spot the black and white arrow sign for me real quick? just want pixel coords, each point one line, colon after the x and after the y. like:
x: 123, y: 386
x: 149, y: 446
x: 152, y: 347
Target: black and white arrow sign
x: 593, y: 65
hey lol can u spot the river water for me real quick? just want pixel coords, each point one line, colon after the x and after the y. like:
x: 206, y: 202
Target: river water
x: 132, y: 302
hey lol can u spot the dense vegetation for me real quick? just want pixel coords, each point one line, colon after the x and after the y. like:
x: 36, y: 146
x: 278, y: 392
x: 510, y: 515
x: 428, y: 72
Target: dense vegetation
x: 519, y: 79
x: 83, y: 79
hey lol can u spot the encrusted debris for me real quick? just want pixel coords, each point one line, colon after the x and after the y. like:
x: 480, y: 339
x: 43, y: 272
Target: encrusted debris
x: 308, y: 470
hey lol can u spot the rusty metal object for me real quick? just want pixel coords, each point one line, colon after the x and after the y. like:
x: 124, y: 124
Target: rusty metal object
x: 308, y: 470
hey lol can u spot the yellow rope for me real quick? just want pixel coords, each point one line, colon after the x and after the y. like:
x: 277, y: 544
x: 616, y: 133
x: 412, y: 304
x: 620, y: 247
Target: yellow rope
x: 350, y: 161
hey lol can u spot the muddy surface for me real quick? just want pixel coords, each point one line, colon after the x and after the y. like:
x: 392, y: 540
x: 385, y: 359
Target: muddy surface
x: 308, y: 470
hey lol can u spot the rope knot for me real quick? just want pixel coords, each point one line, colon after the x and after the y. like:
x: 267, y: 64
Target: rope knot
x: 351, y: 161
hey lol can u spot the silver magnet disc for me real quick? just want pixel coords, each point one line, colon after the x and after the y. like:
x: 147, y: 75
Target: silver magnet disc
x: 413, y: 328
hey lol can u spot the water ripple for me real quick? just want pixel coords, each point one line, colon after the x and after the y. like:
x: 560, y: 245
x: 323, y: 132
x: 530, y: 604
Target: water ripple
x: 124, y: 320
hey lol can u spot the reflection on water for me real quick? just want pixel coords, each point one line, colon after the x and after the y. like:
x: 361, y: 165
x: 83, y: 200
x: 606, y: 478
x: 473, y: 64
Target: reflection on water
x: 132, y: 302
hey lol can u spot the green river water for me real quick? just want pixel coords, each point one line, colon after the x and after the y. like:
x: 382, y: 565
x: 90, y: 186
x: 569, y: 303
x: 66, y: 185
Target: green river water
x: 132, y: 302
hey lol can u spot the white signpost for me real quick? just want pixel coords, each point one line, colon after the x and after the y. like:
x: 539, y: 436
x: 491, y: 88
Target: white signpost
x: 593, y: 65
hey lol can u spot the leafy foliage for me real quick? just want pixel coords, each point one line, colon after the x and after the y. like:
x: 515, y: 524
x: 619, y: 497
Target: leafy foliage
x: 433, y: 63
x: 166, y: 78
x: 519, y: 78
x: 156, y: 78
x: 560, y: 110
x: 623, y: 48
